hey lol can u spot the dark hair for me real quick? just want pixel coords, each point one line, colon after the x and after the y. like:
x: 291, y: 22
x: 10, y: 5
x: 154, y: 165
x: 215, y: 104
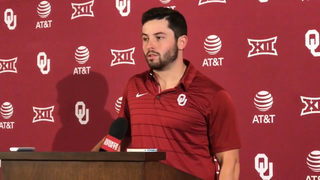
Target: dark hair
x: 176, y: 20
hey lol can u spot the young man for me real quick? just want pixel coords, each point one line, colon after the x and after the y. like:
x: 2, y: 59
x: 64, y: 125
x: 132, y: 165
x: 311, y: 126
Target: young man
x: 175, y: 108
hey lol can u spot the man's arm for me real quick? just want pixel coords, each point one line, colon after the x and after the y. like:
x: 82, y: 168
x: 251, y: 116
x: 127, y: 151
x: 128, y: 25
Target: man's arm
x: 223, y: 134
x: 229, y: 164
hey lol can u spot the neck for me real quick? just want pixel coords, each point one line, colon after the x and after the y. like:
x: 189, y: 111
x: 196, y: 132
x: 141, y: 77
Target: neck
x: 172, y: 75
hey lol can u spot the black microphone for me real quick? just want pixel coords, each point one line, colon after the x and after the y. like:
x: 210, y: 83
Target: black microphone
x: 117, y: 131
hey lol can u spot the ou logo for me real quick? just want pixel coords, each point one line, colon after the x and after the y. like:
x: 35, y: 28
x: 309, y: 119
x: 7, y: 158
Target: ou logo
x: 81, y: 112
x: 312, y: 42
x: 10, y: 19
x: 182, y: 100
x: 263, y: 166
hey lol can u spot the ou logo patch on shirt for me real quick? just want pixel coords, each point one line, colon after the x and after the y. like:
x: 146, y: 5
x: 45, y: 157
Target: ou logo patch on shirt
x: 182, y: 100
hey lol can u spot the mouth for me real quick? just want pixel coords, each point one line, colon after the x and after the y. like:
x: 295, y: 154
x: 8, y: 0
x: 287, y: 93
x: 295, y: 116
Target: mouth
x: 152, y: 56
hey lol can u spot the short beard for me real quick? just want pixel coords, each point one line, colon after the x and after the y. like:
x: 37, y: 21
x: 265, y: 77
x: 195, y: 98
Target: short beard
x: 169, y: 57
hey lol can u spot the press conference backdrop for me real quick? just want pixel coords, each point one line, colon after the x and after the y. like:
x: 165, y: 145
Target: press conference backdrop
x: 64, y: 65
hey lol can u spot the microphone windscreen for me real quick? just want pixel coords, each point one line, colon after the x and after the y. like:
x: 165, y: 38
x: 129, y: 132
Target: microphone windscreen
x: 118, y: 128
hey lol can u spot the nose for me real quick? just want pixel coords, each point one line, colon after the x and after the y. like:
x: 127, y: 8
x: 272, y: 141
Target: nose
x: 149, y: 44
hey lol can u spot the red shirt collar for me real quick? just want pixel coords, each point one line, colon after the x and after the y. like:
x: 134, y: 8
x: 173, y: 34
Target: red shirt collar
x: 187, y: 78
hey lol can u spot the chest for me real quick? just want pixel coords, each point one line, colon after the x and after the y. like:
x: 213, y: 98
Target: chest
x: 176, y: 109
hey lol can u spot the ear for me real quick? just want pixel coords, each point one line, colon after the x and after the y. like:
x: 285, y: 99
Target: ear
x: 182, y: 42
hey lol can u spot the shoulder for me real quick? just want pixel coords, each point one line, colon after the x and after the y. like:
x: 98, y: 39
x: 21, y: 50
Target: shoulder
x: 139, y: 77
x: 137, y: 83
x: 211, y: 92
x: 203, y: 84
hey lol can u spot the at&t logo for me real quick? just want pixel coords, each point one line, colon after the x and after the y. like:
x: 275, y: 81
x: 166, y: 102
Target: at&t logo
x: 312, y: 42
x: 82, y: 56
x: 118, y: 104
x: 262, y: 47
x: 6, y: 111
x: 82, y: 113
x: 43, y: 63
x: 82, y: 10
x: 212, y: 46
x: 263, y: 166
x: 43, y: 114
x: 121, y: 5
x: 44, y: 9
x: 263, y: 102
x: 8, y: 65
x: 313, y: 162
x: 10, y: 19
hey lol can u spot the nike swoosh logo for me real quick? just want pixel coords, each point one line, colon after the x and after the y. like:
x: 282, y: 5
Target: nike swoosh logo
x: 139, y: 95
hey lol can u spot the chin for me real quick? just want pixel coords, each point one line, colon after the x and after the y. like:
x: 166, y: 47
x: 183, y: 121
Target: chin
x: 153, y: 65
x: 153, y: 61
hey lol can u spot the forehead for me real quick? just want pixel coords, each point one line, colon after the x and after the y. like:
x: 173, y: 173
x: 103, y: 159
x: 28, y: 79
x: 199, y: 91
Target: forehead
x: 155, y: 26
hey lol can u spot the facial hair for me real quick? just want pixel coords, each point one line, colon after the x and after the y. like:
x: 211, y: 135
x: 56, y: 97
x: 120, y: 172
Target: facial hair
x: 169, y: 57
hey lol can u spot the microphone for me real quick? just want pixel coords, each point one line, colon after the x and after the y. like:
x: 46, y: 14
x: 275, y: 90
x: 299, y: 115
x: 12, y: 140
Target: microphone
x: 117, y: 131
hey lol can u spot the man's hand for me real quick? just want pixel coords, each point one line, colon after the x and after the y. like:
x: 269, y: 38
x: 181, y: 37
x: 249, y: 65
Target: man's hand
x: 97, y: 146
x: 124, y: 144
x: 229, y: 164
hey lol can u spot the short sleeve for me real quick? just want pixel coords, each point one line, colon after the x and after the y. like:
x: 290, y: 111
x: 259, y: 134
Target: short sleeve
x: 222, y: 124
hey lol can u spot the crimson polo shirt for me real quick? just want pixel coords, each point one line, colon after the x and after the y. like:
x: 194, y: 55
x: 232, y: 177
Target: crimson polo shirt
x: 190, y: 122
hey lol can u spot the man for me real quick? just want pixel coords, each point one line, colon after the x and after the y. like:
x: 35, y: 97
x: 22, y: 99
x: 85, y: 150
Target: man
x: 175, y: 108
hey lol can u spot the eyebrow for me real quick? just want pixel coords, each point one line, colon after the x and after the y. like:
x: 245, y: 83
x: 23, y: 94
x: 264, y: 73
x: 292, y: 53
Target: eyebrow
x: 158, y: 33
